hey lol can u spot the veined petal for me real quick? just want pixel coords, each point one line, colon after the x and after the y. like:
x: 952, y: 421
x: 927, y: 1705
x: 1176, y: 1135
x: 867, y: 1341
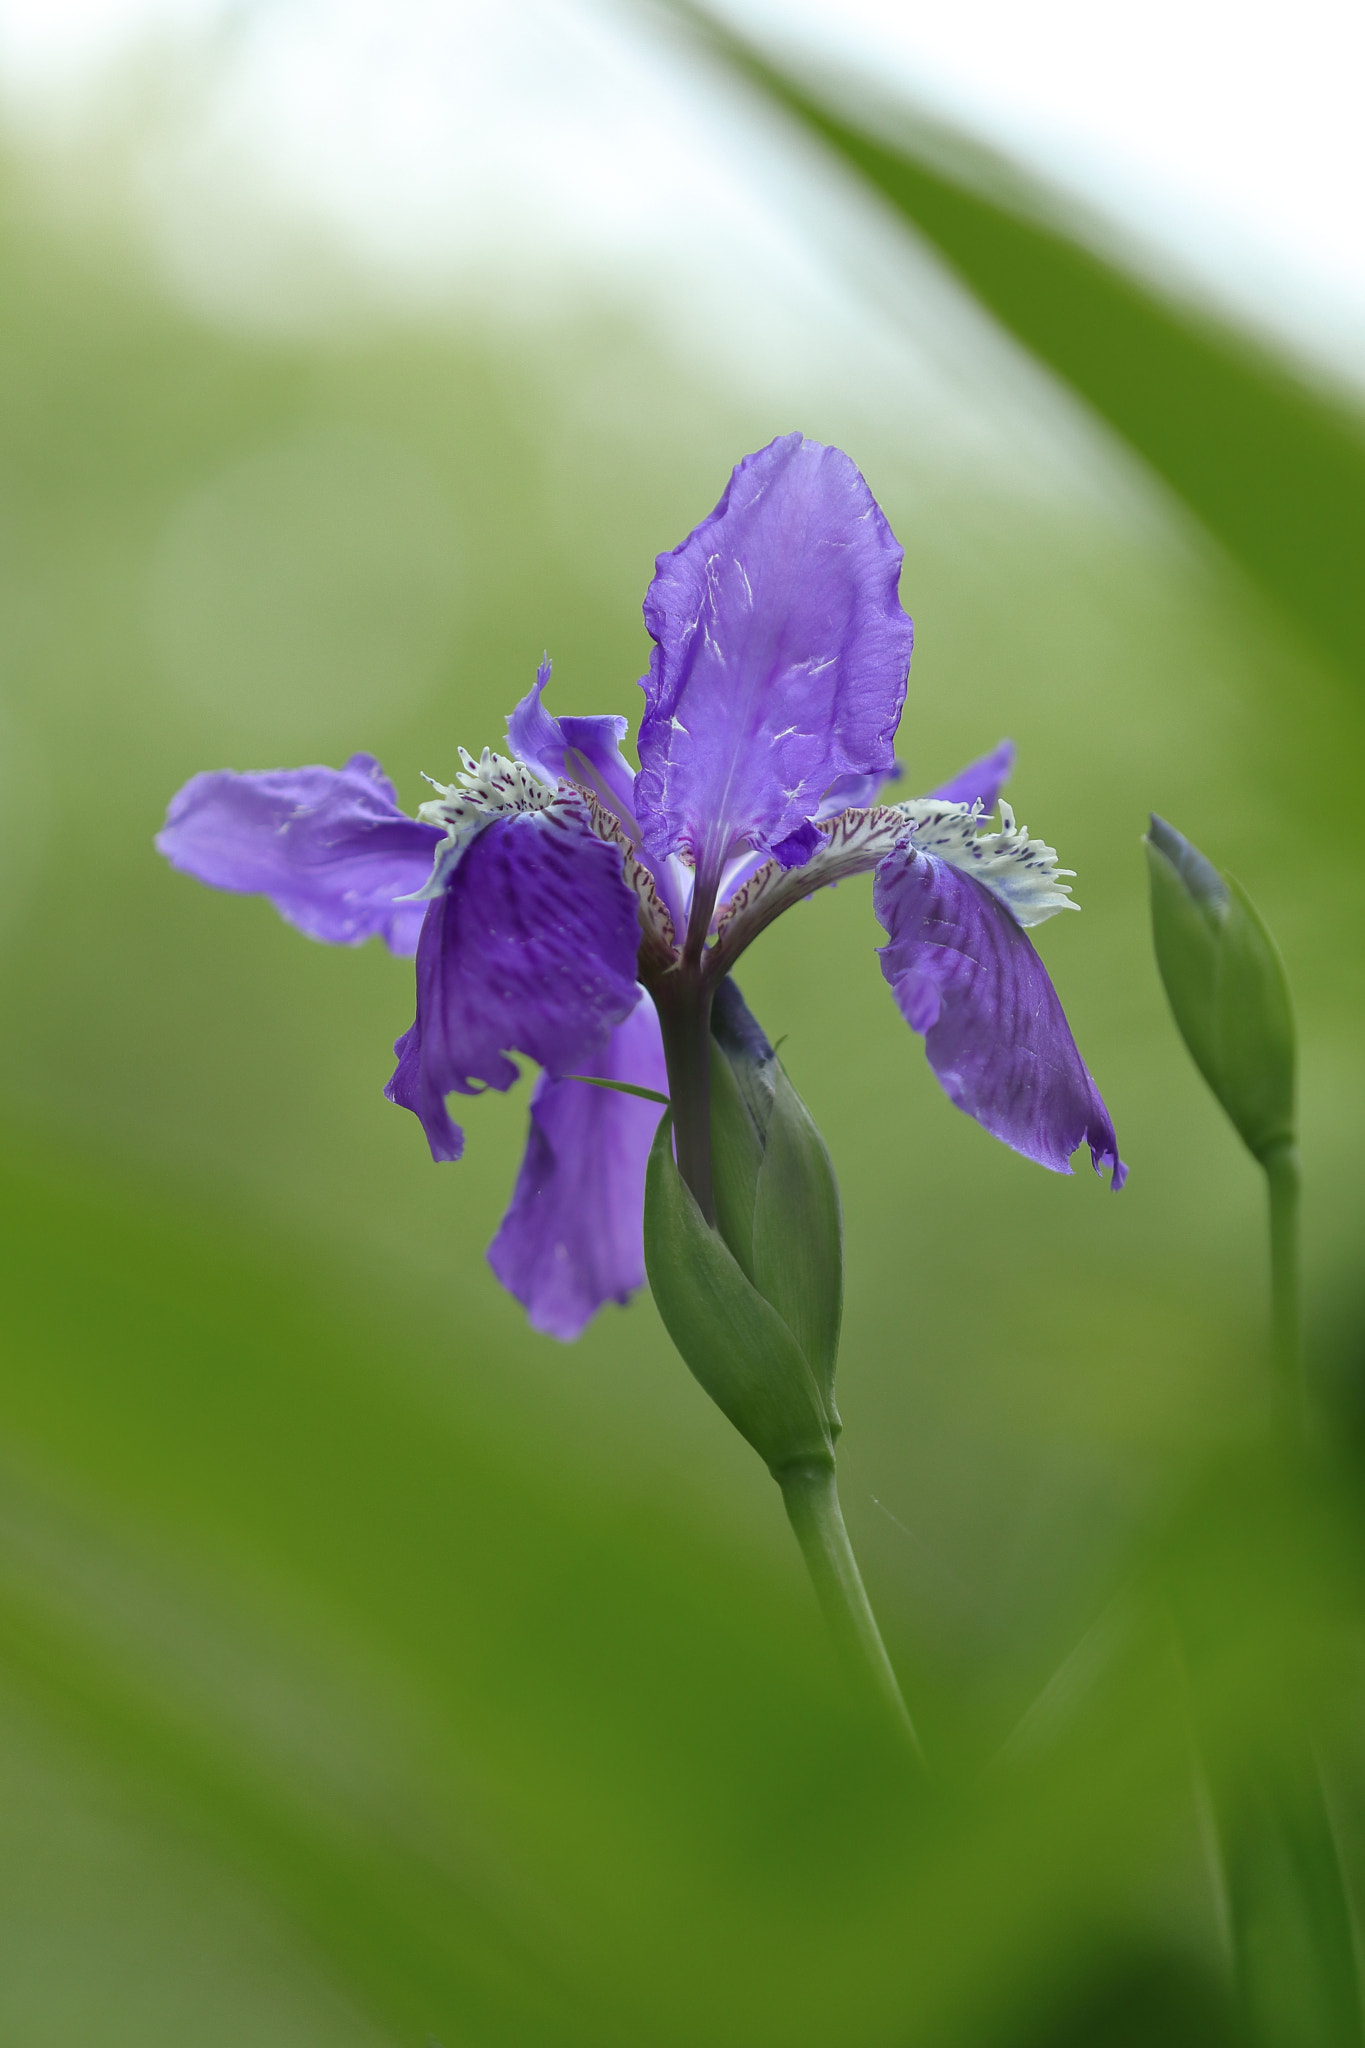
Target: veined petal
x: 329, y: 847
x: 981, y: 781
x: 583, y: 750
x: 573, y: 1237
x: 780, y: 660
x: 966, y: 977
x: 530, y: 948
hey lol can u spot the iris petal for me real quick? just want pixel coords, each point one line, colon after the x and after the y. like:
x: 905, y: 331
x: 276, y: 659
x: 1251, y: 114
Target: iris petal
x: 328, y: 846
x: 981, y: 781
x: 573, y: 1237
x: 544, y: 743
x: 780, y: 660
x: 531, y: 948
x: 966, y: 977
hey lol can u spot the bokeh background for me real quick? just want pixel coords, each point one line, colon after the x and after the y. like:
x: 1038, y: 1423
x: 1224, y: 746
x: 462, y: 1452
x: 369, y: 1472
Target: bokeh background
x: 373, y: 1670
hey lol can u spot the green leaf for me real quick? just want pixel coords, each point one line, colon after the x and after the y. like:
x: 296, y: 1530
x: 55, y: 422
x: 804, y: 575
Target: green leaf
x: 1275, y: 470
x: 799, y: 1235
x: 736, y: 1159
x: 1297, y: 1978
x: 1227, y: 988
x: 777, y: 1199
x: 732, y: 1340
x: 619, y: 1087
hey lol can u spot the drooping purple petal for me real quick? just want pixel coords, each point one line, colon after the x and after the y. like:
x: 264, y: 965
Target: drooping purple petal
x: 573, y: 1237
x: 328, y: 846
x: 965, y: 977
x: 544, y: 743
x: 980, y: 781
x: 531, y: 949
x: 780, y: 660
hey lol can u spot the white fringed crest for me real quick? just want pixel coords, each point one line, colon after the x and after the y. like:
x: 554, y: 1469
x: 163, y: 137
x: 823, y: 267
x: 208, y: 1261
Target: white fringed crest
x: 487, y: 789
x: 1021, y: 871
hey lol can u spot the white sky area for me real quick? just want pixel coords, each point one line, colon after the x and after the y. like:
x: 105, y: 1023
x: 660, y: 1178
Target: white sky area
x: 539, y: 138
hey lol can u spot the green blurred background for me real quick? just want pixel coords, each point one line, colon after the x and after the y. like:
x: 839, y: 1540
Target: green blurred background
x: 371, y: 1669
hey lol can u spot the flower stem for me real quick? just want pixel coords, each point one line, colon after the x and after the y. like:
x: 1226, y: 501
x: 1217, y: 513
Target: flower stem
x: 811, y: 1495
x: 1284, y: 1180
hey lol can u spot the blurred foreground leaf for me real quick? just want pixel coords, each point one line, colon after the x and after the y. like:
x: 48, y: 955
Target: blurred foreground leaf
x: 510, y: 1759
x: 1273, y: 468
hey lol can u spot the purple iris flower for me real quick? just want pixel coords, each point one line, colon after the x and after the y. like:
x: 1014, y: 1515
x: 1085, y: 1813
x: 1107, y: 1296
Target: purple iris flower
x: 564, y: 907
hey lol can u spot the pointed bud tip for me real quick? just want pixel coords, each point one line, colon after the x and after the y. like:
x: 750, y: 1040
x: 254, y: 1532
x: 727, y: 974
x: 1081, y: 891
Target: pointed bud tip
x: 1200, y: 877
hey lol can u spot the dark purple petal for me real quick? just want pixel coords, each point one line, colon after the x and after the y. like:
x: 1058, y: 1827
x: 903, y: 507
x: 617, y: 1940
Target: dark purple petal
x: 328, y: 846
x: 857, y: 792
x: 545, y: 743
x: 980, y: 781
x: 780, y: 659
x: 530, y: 949
x: 798, y: 846
x: 967, y: 979
x: 573, y: 1237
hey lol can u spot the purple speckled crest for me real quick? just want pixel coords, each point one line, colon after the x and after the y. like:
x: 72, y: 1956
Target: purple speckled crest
x: 967, y: 979
x: 780, y: 660
x: 530, y: 948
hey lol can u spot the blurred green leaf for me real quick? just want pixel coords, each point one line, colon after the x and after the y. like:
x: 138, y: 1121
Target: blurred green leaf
x: 1274, y: 468
x: 1296, y: 1964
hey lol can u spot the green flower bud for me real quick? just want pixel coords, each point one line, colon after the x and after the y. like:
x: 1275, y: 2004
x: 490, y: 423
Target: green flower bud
x: 1227, y: 989
x: 754, y: 1305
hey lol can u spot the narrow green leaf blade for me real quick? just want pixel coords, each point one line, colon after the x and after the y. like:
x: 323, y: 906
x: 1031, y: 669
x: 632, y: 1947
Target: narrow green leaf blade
x: 619, y: 1087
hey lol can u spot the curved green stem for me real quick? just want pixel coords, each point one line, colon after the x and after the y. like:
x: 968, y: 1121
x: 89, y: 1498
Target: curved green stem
x: 1284, y: 1180
x: 811, y: 1495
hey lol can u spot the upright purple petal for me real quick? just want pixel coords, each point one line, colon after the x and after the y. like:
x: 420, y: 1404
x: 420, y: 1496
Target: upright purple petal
x: 546, y: 744
x: 980, y: 781
x: 328, y: 846
x: 780, y: 660
x: 573, y: 1237
x: 530, y: 949
x: 967, y: 979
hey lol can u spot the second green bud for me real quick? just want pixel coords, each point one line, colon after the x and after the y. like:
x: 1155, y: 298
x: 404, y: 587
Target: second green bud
x: 1227, y: 988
